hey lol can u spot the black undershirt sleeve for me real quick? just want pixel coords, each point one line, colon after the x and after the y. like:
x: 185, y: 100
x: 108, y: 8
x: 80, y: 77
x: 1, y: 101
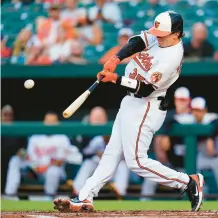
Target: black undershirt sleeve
x: 134, y: 45
x: 142, y: 89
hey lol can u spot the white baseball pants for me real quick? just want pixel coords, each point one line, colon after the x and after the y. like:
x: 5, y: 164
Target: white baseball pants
x: 207, y: 162
x: 121, y: 178
x: 52, y: 176
x: 134, y: 127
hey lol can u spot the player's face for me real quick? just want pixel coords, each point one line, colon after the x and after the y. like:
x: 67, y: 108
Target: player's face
x: 182, y: 104
x: 97, y: 116
x: 7, y: 117
x: 198, y: 114
x: 54, y: 13
x: 51, y: 119
x: 169, y: 40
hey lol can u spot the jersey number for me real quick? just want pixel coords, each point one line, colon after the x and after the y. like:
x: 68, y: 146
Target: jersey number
x: 135, y: 75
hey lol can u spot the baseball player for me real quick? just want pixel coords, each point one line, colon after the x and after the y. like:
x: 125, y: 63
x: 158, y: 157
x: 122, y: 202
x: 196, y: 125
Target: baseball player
x: 93, y: 152
x: 46, y: 157
x: 142, y: 111
x: 207, y: 147
x: 170, y: 151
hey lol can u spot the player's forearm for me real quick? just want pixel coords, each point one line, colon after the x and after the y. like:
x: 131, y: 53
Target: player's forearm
x: 135, y: 86
x: 135, y: 45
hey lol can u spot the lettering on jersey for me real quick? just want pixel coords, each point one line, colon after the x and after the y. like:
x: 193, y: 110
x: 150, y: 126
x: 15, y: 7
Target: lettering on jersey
x: 145, y: 61
x: 140, y: 78
x: 156, y: 77
x: 133, y: 74
x: 179, y: 67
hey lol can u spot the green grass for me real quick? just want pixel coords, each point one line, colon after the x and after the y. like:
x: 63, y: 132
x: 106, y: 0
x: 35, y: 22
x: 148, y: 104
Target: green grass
x: 7, y: 205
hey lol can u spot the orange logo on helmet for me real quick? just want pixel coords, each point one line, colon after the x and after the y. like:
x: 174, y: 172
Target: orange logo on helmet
x: 156, y: 24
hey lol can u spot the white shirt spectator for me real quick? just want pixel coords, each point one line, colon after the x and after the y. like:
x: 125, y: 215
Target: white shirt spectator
x: 110, y: 11
x: 73, y: 15
x: 60, y: 50
x: 52, y: 37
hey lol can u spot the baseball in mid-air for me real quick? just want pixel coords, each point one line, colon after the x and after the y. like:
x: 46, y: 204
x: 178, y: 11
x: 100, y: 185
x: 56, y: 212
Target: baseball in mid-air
x: 28, y: 84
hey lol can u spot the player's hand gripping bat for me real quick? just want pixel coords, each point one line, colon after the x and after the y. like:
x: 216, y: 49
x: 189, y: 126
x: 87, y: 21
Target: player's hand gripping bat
x: 80, y: 100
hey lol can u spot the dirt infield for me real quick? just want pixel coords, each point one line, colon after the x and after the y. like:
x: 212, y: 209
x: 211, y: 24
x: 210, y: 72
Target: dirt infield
x: 113, y: 214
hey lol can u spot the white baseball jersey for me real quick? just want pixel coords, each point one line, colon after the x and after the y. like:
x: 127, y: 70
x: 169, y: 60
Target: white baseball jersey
x: 41, y: 148
x: 97, y: 144
x: 156, y: 65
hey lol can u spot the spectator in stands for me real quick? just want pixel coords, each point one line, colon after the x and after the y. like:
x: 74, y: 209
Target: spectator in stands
x: 20, y: 49
x: 93, y: 151
x: 76, y: 56
x: 77, y: 23
x: 5, y: 51
x: 123, y: 36
x: 46, y: 155
x: 105, y: 11
x: 171, y: 2
x: 207, y: 147
x: 63, y: 51
x: 47, y: 32
x: 90, y: 34
x: 170, y: 151
x: 199, y: 47
x: 72, y: 13
x: 153, y: 8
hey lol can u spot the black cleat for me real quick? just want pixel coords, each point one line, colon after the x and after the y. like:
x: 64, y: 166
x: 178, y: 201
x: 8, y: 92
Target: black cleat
x: 194, y: 191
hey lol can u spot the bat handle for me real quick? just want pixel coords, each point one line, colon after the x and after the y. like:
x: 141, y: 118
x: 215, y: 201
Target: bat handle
x: 94, y: 85
x: 101, y: 77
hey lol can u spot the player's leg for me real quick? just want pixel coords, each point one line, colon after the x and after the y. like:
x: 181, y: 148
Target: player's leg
x: 105, y: 170
x: 148, y: 188
x: 121, y: 178
x: 138, y: 124
x: 205, y: 162
x: 85, y: 171
x: 13, y: 175
x: 53, y: 176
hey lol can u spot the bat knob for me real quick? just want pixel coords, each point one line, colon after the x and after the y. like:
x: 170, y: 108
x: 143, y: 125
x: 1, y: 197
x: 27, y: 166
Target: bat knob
x: 65, y: 114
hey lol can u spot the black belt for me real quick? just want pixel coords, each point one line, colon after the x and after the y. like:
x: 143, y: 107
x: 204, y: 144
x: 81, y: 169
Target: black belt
x: 135, y: 95
x: 163, y: 103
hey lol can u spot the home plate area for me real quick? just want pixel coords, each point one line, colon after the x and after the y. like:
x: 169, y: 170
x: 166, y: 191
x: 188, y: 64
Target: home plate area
x: 151, y: 213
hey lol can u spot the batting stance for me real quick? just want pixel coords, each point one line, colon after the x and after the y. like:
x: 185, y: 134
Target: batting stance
x: 142, y: 111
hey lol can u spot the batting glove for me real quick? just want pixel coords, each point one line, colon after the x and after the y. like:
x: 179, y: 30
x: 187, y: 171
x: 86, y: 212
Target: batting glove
x: 108, y: 76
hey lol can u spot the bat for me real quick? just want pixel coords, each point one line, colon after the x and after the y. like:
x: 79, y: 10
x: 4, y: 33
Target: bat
x: 81, y: 99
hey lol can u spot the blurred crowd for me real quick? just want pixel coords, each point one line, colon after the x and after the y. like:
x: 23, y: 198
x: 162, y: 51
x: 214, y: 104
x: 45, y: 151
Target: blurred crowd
x: 43, y: 158
x: 67, y: 29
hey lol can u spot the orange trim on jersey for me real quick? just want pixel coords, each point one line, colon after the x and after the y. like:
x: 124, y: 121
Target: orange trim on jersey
x: 146, y: 39
x: 136, y: 151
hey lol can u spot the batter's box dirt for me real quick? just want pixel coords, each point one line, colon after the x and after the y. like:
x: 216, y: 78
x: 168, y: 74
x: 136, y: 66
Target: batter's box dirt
x: 114, y: 214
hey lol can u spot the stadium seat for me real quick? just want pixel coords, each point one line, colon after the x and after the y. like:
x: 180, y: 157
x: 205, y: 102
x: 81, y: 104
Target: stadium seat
x: 213, y: 4
x: 93, y: 53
